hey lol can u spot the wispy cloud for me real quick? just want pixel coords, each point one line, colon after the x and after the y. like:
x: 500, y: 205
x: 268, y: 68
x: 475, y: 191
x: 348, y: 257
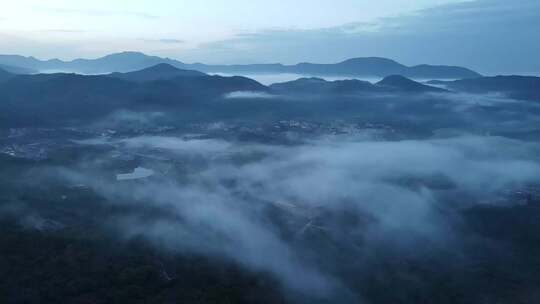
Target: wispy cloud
x: 165, y: 40
x: 492, y: 36
x: 63, y: 31
x: 173, y: 41
x: 249, y: 95
x: 101, y: 13
x: 393, y: 189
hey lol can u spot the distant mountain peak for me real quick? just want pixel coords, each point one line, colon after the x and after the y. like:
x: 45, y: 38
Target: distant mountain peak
x: 127, y: 53
x: 160, y: 71
x: 310, y: 79
x: 377, y: 60
x: 162, y: 67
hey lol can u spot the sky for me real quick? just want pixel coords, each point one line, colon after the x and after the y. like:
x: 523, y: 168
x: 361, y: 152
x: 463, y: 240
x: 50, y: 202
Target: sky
x: 487, y: 35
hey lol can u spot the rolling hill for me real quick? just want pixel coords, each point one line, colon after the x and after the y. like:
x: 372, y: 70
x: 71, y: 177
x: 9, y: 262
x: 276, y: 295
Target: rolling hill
x: 318, y: 86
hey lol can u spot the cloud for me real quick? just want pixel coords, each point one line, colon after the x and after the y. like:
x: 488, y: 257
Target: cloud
x: 165, y: 40
x: 492, y: 36
x: 172, y: 41
x: 249, y: 95
x: 254, y: 203
x: 178, y: 145
x: 100, y: 13
x: 63, y: 31
x: 14, y: 44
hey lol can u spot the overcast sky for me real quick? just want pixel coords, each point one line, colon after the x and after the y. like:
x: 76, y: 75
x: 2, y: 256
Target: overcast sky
x: 488, y: 35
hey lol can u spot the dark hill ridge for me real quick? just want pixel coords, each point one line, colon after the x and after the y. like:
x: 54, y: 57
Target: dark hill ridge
x: 50, y: 97
x: 133, y: 61
x: 189, y: 91
x: 61, y: 96
x: 317, y: 86
x: 403, y: 84
x: 519, y: 87
x: 47, y: 98
x: 162, y: 71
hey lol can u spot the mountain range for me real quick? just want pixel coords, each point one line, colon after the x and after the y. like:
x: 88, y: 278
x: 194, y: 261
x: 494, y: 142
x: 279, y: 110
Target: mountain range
x: 62, y: 97
x: 133, y: 61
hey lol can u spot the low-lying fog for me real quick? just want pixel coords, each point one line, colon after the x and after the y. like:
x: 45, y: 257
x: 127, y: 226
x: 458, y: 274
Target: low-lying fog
x: 300, y: 212
x: 318, y: 204
x: 268, y: 79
